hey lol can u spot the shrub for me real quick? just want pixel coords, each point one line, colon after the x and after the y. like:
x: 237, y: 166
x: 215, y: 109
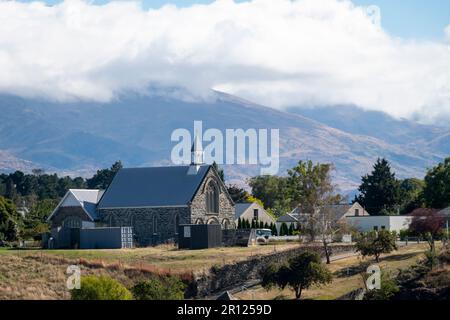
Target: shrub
x: 100, y: 288
x: 388, y: 289
x: 301, y: 272
x: 376, y: 243
x: 168, y: 288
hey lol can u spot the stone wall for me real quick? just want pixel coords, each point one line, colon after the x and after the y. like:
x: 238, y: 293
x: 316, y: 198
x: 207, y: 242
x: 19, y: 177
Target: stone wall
x: 151, y: 226
x: 227, y: 276
x: 199, y: 213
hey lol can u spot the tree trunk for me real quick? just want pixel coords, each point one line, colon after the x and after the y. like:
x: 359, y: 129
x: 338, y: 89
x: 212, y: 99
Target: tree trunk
x: 327, y: 252
x: 298, y: 292
x: 377, y: 258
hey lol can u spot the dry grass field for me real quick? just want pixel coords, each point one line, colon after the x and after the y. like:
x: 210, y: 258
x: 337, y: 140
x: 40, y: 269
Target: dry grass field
x: 40, y: 274
x: 344, y: 279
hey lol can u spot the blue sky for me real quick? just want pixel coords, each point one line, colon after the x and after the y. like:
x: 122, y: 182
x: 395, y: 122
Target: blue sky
x: 417, y: 19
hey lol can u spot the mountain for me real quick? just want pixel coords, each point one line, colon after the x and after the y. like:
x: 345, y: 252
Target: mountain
x: 381, y: 126
x: 79, y: 137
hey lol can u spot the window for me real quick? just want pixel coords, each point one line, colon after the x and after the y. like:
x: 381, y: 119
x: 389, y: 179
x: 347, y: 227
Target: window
x: 255, y: 214
x: 375, y: 228
x: 383, y: 227
x: 357, y: 212
x: 72, y: 223
x: 226, y: 224
x: 212, y: 198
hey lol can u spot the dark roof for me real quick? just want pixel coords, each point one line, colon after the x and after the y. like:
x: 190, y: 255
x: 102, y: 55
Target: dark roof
x: 287, y: 218
x: 338, y: 210
x: 152, y: 187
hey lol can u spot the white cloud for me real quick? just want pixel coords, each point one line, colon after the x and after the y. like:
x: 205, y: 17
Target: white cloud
x: 447, y: 32
x: 277, y: 53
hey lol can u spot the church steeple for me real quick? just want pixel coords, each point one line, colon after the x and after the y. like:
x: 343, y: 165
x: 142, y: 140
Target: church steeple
x: 196, y: 156
x: 197, y: 152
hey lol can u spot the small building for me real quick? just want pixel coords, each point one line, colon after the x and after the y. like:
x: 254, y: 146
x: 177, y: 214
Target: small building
x: 377, y: 223
x: 252, y: 212
x: 337, y: 212
x: 77, y: 209
x: 288, y: 219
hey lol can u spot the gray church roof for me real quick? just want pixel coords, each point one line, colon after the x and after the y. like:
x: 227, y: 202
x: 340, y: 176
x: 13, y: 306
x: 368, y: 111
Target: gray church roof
x: 152, y: 187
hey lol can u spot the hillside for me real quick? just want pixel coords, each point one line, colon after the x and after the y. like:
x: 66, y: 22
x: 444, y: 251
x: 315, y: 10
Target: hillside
x: 79, y: 137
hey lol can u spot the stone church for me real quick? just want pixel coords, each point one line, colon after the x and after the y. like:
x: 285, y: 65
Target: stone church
x: 153, y: 201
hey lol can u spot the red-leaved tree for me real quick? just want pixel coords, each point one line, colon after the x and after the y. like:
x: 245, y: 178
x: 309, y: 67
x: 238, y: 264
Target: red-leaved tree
x: 428, y: 224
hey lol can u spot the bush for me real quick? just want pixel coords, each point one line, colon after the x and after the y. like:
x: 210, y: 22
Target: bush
x: 388, y: 289
x: 431, y: 259
x: 169, y: 288
x: 100, y: 288
x: 376, y: 243
x: 301, y: 272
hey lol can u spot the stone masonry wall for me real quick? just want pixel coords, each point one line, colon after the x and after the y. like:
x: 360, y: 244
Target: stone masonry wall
x: 199, y: 213
x: 227, y: 276
x: 142, y: 220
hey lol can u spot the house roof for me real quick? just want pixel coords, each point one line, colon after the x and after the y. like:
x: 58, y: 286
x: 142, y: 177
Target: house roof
x: 152, y: 187
x: 445, y: 212
x: 85, y: 198
x: 287, y: 218
x: 337, y: 210
x: 240, y: 208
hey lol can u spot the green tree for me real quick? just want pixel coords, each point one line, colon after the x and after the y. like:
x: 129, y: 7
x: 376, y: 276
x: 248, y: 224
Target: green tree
x: 299, y: 274
x: 310, y: 187
x: 35, y: 221
x: 168, y: 288
x: 410, y: 191
x: 284, y: 230
x: 252, y: 199
x: 9, y: 224
x: 103, y: 178
x: 238, y: 195
x: 239, y: 226
x: 379, y: 191
x: 375, y: 243
x: 436, y: 192
x: 100, y: 288
x: 272, y: 191
x: 273, y: 227
x: 291, y: 229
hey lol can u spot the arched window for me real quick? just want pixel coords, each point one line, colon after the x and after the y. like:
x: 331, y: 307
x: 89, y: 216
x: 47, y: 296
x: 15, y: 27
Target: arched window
x: 226, y: 224
x: 72, y: 223
x: 199, y: 221
x: 212, y: 198
x: 213, y: 221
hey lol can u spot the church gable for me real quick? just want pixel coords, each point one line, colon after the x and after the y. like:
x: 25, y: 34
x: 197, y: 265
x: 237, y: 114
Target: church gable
x: 211, y: 203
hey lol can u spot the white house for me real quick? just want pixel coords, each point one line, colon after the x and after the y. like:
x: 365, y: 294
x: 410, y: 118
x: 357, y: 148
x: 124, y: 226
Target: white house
x: 390, y: 223
x: 338, y: 212
x: 252, y: 211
